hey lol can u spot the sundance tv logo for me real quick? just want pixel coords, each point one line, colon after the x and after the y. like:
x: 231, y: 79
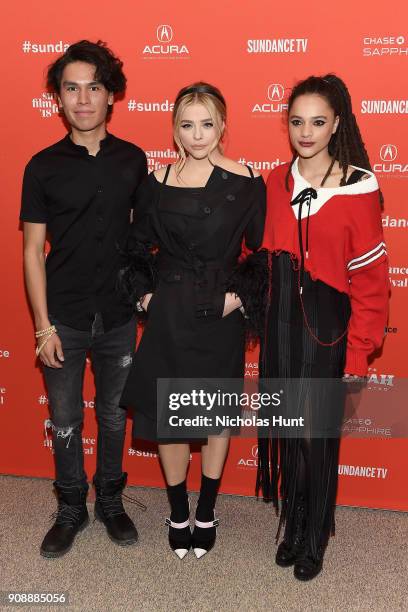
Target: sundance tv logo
x: 390, y: 164
x: 363, y: 471
x: 277, y: 45
x: 384, y: 107
x: 384, y: 46
x: 275, y: 95
x: 164, y: 47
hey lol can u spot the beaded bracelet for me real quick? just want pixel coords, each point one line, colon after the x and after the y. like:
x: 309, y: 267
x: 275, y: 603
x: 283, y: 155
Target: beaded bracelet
x: 41, y: 346
x: 47, y: 333
x: 44, y: 332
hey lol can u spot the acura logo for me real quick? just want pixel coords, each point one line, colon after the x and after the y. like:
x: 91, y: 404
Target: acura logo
x: 254, y: 451
x: 276, y: 91
x: 388, y: 152
x: 164, y: 33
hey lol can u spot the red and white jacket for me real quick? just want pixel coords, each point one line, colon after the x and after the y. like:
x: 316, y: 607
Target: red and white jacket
x: 346, y: 250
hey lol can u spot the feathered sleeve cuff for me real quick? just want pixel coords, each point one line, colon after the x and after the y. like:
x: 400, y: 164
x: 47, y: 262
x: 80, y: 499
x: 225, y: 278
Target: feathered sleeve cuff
x: 250, y: 282
x: 138, y: 273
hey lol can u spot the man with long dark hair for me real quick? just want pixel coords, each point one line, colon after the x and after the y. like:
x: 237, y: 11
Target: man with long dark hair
x: 79, y: 193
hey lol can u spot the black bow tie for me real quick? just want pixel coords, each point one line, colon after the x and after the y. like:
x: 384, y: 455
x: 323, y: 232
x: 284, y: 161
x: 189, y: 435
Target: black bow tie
x: 305, y: 196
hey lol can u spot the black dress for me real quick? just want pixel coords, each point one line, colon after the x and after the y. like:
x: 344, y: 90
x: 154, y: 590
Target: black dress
x: 184, y: 247
x: 306, y: 464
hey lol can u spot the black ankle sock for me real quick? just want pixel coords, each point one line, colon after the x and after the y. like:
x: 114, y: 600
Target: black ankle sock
x: 208, y: 496
x: 178, y: 502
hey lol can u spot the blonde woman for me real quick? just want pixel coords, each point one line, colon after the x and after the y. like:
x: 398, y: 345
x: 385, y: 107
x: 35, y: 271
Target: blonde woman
x: 190, y: 220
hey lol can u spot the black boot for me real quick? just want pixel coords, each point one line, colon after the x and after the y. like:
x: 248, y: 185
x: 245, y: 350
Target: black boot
x: 293, y: 542
x: 308, y: 566
x: 71, y: 517
x: 110, y: 511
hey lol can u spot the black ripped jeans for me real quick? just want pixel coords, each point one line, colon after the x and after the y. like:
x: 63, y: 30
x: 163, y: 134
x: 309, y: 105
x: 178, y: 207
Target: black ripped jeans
x: 111, y: 355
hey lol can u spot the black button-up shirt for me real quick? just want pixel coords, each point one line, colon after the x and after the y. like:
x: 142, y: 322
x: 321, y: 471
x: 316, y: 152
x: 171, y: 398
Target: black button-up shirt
x: 85, y: 201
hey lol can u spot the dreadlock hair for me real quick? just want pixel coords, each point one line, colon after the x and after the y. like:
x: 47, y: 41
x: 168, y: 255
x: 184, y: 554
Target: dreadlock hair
x: 346, y: 145
x: 108, y: 68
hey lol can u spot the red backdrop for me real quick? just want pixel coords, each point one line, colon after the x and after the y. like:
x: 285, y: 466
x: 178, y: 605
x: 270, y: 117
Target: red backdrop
x: 254, y: 53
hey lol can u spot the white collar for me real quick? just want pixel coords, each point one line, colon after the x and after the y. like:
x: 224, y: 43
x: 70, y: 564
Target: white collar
x: 324, y: 194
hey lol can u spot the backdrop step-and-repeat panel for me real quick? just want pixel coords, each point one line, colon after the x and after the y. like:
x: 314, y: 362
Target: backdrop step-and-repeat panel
x: 254, y: 52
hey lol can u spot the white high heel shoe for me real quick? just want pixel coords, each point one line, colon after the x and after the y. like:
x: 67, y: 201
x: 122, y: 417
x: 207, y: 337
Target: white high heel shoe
x: 200, y: 544
x: 180, y: 547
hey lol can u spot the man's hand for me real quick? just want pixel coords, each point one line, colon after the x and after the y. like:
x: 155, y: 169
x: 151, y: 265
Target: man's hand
x: 51, y: 355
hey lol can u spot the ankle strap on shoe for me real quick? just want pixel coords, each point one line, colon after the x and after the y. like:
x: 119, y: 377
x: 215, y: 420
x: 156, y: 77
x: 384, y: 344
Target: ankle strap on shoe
x: 202, y: 525
x: 170, y: 523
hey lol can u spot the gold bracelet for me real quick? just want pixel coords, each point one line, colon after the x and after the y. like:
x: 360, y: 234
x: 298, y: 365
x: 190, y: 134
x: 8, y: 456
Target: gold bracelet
x: 41, y: 346
x: 44, y: 332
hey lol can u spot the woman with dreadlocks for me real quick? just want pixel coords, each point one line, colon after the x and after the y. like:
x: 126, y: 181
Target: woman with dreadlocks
x: 327, y: 307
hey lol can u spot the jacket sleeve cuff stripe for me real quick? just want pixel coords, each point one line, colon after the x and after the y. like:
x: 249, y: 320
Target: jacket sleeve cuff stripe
x: 364, y: 260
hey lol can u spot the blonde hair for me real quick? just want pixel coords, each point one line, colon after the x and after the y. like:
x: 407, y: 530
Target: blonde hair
x: 213, y: 100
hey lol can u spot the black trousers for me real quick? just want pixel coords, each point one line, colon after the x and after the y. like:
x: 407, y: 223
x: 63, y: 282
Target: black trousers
x: 111, y: 355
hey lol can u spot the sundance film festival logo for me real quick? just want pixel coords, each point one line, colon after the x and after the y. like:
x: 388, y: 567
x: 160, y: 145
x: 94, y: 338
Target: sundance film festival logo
x: 46, y: 105
x: 398, y: 276
x: 385, y: 46
x: 390, y: 164
x: 275, y: 95
x: 277, y: 45
x: 165, y: 47
x: 161, y: 157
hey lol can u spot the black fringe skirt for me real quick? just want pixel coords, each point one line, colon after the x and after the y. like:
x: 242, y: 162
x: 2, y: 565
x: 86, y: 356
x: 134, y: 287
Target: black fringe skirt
x: 306, y: 464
